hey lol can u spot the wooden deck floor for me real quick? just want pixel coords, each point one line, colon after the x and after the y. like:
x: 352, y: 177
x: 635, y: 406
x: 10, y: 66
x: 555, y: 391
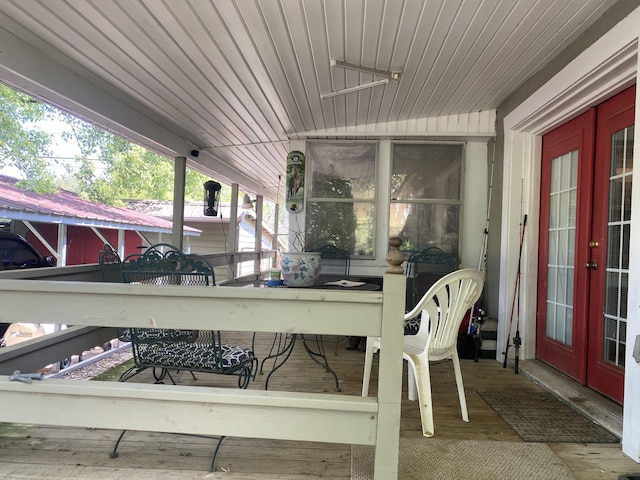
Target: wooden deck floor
x: 38, y: 452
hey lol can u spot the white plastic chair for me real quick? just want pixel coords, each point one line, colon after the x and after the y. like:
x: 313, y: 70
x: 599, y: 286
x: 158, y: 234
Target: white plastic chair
x: 443, y: 308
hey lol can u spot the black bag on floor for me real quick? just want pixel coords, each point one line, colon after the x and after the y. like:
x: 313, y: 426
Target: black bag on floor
x: 466, y: 346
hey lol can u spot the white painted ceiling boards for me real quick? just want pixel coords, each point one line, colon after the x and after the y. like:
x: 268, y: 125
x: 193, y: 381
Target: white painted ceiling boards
x: 237, y: 79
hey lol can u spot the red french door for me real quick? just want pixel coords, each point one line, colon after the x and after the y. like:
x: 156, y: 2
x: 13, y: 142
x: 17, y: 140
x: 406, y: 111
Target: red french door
x: 565, y: 226
x: 585, y: 218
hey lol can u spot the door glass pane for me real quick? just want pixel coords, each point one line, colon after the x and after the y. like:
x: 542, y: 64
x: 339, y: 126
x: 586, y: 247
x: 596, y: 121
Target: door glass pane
x: 619, y: 231
x: 560, y: 261
x: 553, y: 213
x: 553, y: 248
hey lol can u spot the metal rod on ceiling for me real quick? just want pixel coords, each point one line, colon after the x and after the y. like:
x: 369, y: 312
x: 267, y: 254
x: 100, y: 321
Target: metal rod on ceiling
x: 354, y: 89
x: 359, y: 68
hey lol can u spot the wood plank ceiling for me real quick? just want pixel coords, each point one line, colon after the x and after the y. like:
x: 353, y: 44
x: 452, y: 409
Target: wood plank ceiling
x: 236, y: 79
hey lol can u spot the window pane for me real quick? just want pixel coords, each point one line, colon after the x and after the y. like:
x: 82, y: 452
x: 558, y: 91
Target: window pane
x: 346, y: 225
x: 425, y: 193
x: 341, y: 170
x: 551, y: 320
x: 426, y: 225
x: 618, y: 147
x: 340, y: 209
x: 618, y: 238
x: 613, y: 244
x: 568, y: 339
x: 426, y: 172
x: 561, y: 254
x: 553, y: 247
x: 553, y: 211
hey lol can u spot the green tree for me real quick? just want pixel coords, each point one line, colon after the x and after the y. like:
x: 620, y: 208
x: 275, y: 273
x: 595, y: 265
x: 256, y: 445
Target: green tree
x: 130, y: 171
x: 24, y: 148
x: 331, y: 223
x: 135, y: 174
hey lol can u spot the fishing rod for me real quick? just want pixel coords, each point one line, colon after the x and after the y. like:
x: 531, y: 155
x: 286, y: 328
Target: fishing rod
x: 516, y: 296
x: 482, y: 260
x: 517, y: 341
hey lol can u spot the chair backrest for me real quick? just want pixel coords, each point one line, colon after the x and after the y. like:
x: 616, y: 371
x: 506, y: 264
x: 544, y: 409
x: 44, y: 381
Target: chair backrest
x: 331, y: 252
x: 443, y: 309
x: 164, y: 264
x: 109, y: 263
x: 424, y: 268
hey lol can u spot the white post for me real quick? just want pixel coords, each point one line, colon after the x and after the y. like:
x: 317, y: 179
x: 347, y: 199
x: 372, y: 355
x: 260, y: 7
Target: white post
x: 180, y: 166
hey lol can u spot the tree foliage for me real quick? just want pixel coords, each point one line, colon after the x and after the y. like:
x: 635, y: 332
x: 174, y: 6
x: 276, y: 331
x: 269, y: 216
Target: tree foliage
x: 24, y: 148
x: 124, y: 171
x: 332, y: 223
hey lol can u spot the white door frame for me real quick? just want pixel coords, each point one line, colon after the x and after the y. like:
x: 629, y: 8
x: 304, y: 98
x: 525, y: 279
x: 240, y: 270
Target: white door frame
x: 607, y: 67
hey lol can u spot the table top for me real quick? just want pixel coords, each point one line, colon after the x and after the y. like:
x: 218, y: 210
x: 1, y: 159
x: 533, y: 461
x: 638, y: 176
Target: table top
x: 342, y: 284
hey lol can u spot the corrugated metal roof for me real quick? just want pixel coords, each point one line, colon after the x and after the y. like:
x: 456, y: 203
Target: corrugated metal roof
x: 67, y: 208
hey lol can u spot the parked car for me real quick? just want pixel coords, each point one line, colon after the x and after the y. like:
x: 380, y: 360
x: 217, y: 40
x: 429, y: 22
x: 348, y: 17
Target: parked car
x: 17, y: 253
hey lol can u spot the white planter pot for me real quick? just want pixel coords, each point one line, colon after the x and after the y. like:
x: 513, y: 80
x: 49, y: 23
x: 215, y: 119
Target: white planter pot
x: 300, y: 269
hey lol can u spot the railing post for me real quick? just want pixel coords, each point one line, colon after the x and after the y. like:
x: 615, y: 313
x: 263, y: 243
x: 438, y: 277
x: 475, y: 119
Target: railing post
x: 390, y: 366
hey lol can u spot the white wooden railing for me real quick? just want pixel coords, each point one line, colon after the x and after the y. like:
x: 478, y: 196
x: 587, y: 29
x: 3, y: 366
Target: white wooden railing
x: 335, y: 418
x: 53, y: 348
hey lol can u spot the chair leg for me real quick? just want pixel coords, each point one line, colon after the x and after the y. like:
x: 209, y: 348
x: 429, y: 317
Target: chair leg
x: 458, y: 373
x: 114, y: 452
x: 411, y: 382
x: 423, y: 382
x: 368, y: 361
x: 338, y: 340
x: 212, y: 466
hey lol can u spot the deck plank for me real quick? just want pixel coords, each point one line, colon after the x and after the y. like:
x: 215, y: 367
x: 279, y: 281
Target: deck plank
x: 53, y: 453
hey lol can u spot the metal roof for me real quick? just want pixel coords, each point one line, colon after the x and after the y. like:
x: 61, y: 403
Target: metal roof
x: 193, y: 211
x: 67, y: 208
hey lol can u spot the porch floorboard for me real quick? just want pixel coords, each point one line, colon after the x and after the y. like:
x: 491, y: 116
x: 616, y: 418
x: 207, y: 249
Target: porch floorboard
x: 52, y: 453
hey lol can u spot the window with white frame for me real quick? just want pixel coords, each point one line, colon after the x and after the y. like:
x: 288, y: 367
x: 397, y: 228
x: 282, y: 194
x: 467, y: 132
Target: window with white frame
x: 340, y: 208
x: 425, y: 195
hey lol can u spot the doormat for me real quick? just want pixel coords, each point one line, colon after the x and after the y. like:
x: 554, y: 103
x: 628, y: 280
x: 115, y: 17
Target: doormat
x: 541, y: 417
x: 425, y: 458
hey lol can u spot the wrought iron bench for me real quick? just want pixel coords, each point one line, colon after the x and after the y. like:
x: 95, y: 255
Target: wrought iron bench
x: 164, y: 350
x: 109, y: 262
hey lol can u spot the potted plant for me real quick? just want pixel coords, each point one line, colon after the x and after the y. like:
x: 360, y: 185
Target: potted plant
x: 299, y: 267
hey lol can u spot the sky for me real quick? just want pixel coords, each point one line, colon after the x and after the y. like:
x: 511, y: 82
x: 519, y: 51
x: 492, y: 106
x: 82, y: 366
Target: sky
x: 63, y: 151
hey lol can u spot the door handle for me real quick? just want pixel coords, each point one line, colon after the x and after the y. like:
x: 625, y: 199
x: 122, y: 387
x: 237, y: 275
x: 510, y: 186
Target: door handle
x: 593, y: 265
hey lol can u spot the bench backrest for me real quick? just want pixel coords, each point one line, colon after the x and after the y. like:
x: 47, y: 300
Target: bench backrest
x: 195, y: 350
x: 424, y: 268
x: 109, y: 262
x: 341, y: 257
x: 164, y: 264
